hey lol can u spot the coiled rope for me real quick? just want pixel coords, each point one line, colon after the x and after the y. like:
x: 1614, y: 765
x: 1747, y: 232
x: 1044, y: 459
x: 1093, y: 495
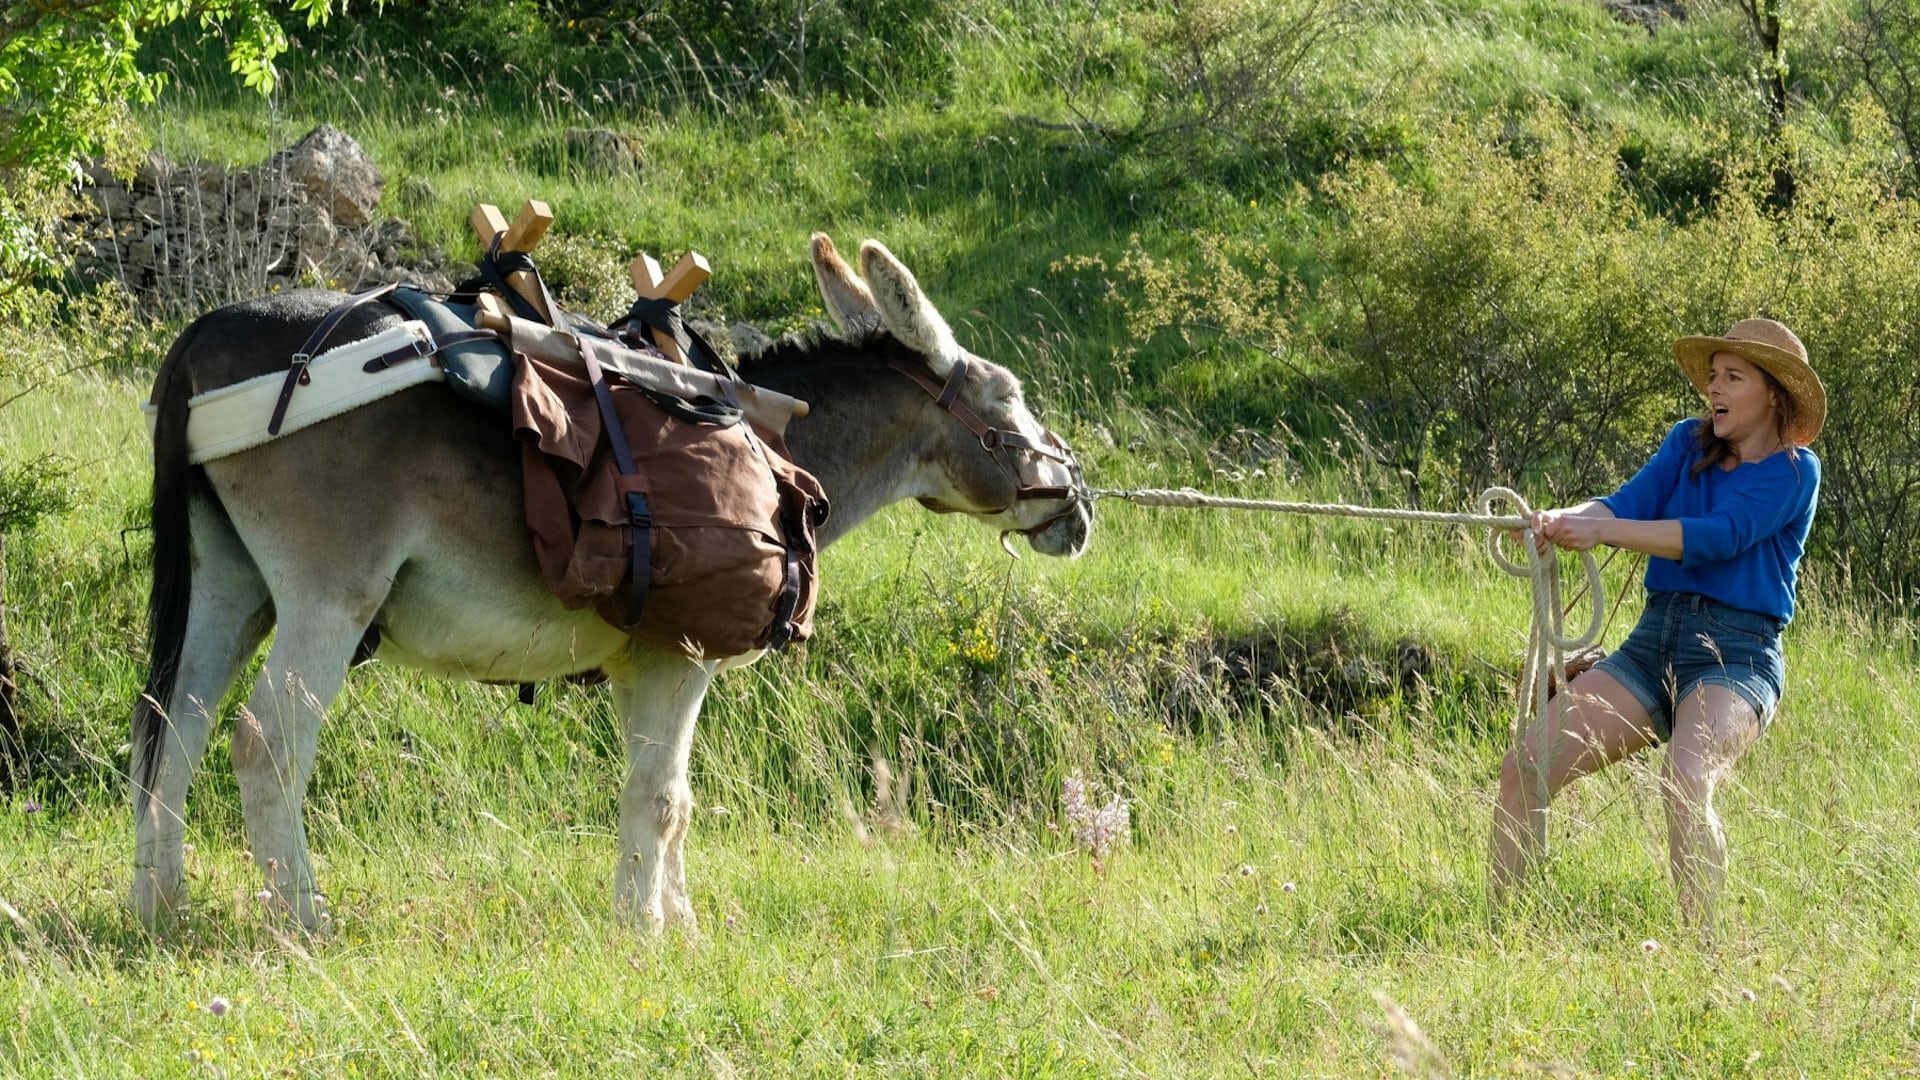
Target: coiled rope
x: 1547, y: 640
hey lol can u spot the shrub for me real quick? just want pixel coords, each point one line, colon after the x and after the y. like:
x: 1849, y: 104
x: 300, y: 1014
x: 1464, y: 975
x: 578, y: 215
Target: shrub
x: 1200, y: 72
x: 1494, y: 321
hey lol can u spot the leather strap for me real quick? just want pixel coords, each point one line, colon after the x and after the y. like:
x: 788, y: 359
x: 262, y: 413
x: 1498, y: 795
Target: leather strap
x: 947, y: 395
x: 297, y: 369
x: 420, y: 347
x: 639, y: 514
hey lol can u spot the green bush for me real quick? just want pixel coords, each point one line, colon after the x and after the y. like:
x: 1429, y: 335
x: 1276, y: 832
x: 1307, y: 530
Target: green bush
x: 662, y: 52
x: 1496, y: 320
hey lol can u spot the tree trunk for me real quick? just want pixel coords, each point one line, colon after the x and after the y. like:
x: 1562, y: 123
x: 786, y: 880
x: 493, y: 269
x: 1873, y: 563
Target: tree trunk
x: 1764, y: 17
x: 12, y: 749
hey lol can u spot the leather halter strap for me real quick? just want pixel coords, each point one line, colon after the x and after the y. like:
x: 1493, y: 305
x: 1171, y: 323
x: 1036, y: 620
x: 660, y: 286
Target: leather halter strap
x: 992, y: 439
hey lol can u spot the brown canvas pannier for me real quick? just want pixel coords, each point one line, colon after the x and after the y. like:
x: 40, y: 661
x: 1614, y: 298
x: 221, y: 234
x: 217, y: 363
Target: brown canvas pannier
x: 724, y: 520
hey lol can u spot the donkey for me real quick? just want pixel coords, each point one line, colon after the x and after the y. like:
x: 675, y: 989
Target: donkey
x: 400, y: 523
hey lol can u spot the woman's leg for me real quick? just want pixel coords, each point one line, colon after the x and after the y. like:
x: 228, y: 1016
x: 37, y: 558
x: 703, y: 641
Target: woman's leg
x: 1594, y: 723
x: 1712, y: 727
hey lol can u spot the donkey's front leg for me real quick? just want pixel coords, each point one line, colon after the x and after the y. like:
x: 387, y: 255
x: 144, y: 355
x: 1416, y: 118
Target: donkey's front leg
x: 273, y: 749
x: 659, y: 695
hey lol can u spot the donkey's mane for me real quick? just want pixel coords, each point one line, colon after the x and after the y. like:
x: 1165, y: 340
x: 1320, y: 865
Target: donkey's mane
x: 818, y: 360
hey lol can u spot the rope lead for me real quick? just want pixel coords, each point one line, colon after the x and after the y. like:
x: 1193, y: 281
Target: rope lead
x: 1547, y: 640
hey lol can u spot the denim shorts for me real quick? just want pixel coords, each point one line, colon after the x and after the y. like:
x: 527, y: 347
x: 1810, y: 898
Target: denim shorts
x: 1683, y: 641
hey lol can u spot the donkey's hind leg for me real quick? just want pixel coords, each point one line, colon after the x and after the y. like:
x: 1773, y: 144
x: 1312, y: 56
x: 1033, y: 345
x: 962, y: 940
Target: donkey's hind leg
x: 659, y: 696
x: 228, y: 614
x: 275, y: 740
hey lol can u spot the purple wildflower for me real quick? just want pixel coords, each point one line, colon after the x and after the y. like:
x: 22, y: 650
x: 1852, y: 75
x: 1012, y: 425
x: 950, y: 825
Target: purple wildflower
x: 31, y: 807
x: 218, y: 1006
x: 1099, y: 829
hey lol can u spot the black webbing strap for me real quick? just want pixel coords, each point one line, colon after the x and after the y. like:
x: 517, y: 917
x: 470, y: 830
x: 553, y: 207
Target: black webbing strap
x: 648, y: 313
x: 297, y: 370
x: 496, y: 265
x: 639, y: 515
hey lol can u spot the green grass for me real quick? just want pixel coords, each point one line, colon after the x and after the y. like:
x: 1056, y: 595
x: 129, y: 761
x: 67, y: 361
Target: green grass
x: 466, y: 842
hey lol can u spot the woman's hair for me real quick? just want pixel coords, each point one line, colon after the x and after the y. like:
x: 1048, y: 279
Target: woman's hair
x: 1714, y: 449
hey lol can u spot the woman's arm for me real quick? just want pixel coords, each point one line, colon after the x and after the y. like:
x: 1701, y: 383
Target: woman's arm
x: 1578, y: 528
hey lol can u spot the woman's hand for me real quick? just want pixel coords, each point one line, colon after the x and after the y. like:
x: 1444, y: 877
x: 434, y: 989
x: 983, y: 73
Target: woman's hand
x: 1569, y: 529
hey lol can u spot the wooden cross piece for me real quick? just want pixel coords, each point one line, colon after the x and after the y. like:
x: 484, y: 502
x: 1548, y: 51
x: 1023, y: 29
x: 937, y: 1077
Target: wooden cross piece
x: 528, y: 226
x: 688, y: 274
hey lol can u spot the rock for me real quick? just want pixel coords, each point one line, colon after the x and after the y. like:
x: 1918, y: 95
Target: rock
x: 1647, y: 14
x: 605, y: 152
x: 748, y: 339
x: 335, y: 171
x: 113, y: 201
x: 181, y: 237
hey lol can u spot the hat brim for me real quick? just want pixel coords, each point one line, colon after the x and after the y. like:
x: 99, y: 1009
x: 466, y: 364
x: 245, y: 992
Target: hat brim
x: 1792, y: 373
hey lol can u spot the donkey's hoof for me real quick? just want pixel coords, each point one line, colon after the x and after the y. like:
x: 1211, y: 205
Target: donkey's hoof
x: 155, y: 902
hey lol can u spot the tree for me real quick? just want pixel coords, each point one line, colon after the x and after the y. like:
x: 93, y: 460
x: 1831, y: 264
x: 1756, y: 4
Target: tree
x: 1765, y: 19
x: 1883, y: 43
x: 68, y: 70
x: 1770, y: 24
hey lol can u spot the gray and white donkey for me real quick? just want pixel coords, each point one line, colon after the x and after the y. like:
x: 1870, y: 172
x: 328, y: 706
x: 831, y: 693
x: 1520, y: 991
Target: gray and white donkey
x: 404, y: 517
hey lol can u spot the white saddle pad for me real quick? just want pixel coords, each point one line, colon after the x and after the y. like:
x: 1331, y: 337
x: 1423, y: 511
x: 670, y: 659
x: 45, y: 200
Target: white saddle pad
x: 234, y: 418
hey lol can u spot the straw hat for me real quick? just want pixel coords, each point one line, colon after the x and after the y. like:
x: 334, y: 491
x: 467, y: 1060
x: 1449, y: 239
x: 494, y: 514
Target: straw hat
x: 1768, y: 345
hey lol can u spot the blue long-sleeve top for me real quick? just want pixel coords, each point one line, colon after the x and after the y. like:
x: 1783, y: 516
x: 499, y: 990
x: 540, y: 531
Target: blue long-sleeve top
x: 1742, y: 529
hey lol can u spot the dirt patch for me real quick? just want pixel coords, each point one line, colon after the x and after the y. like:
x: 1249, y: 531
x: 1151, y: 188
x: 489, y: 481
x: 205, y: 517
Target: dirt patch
x: 1334, y: 666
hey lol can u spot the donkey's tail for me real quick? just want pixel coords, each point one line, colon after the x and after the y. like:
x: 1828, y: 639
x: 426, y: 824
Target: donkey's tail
x: 173, y: 482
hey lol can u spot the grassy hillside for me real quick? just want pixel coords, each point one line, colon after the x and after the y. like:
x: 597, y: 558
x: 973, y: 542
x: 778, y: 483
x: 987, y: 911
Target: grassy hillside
x: 1306, y: 715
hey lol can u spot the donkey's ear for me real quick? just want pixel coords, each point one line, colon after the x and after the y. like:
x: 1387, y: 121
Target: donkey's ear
x: 905, y: 310
x: 844, y: 294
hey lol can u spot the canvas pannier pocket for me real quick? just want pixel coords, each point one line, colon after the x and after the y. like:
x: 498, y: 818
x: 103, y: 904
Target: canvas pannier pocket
x: 730, y: 544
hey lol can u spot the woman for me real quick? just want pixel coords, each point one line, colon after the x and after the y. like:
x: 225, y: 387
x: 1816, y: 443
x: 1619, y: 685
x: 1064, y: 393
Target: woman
x: 1723, y: 511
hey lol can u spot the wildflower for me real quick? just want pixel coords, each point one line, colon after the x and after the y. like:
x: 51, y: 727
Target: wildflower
x: 1287, y: 888
x: 265, y: 896
x: 1649, y: 946
x: 218, y: 1006
x: 1096, y: 829
x: 1748, y: 995
x: 1246, y: 871
x: 732, y: 922
x: 1232, y: 829
x: 31, y: 807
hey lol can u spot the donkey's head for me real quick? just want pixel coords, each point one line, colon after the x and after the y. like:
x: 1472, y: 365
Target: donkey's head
x: 987, y: 456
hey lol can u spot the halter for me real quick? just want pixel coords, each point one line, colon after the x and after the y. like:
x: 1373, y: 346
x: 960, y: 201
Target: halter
x: 998, y: 440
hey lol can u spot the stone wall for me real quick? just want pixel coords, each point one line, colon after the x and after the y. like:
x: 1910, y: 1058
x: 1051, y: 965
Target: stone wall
x: 186, y: 237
